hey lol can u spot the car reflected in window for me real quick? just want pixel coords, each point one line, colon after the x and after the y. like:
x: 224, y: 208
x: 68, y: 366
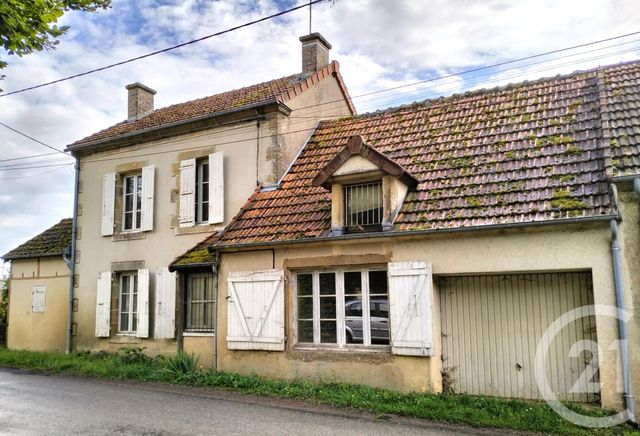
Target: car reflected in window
x: 379, y: 320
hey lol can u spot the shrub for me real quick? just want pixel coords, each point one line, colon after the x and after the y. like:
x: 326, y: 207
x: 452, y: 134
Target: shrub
x: 180, y: 365
x: 132, y: 355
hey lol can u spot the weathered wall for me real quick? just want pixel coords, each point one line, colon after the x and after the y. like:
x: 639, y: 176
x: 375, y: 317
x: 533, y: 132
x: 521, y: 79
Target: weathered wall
x: 629, y: 205
x: 548, y: 249
x: 201, y: 346
x: 38, y: 331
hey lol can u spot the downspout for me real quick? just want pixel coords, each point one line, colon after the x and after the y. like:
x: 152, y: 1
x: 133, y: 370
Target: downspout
x: 214, y: 268
x: 622, y: 323
x: 72, y: 261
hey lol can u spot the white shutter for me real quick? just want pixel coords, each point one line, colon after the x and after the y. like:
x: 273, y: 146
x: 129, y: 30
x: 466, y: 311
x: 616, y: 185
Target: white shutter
x: 216, y: 188
x: 410, y: 301
x: 103, y: 305
x: 187, y: 193
x: 148, y: 180
x: 142, y: 329
x: 37, y: 299
x: 255, y: 310
x: 108, y: 203
x: 165, y: 320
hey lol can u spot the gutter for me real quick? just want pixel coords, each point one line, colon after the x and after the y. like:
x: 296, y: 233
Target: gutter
x: 114, y: 141
x: 72, y: 260
x: 363, y: 236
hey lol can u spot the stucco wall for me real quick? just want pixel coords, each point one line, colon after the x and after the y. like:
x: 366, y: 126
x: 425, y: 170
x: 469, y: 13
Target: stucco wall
x: 202, y: 347
x: 542, y: 250
x: 38, y: 331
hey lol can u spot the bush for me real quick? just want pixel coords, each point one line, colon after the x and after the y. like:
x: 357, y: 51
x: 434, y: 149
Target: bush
x: 180, y: 365
x: 133, y: 355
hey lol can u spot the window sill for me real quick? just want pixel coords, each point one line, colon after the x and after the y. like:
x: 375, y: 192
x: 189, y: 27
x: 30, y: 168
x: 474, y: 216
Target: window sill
x: 198, y: 228
x: 125, y: 338
x: 128, y: 236
x: 377, y: 349
x: 198, y: 334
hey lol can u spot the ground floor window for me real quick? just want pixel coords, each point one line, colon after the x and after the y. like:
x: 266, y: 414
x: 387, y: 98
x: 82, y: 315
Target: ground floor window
x: 200, y: 302
x: 128, y: 296
x: 343, y: 307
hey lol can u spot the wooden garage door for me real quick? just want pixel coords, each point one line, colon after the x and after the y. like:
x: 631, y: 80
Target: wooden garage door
x: 491, y: 326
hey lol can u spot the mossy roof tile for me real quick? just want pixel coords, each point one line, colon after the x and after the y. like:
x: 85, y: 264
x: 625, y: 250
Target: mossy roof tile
x: 51, y: 242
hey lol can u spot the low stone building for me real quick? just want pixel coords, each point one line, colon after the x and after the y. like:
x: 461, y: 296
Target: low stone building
x: 39, y: 291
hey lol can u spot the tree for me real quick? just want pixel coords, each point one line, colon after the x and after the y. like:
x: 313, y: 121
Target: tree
x: 4, y: 300
x: 30, y: 25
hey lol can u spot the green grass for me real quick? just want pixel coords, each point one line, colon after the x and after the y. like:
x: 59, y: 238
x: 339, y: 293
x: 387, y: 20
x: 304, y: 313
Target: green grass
x: 477, y: 411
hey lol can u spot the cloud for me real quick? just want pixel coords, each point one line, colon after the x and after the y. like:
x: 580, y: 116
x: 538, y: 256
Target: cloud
x: 381, y: 45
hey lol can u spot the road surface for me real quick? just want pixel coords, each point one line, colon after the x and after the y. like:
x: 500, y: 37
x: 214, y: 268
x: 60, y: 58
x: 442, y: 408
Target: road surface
x: 39, y: 404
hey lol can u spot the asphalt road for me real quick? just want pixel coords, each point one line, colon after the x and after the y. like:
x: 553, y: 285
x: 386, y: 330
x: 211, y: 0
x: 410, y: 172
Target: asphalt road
x: 38, y: 404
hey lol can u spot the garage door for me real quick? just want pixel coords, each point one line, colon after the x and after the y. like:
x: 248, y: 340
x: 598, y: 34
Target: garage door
x: 491, y: 326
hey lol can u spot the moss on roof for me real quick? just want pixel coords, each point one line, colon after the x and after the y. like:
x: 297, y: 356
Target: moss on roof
x: 51, y: 242
x: 198, y: 255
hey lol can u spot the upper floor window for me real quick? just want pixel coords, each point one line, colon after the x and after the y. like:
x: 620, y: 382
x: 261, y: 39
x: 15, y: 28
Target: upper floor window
x: 363, y: 206
x: 132, y: 202
x: 202, y: 191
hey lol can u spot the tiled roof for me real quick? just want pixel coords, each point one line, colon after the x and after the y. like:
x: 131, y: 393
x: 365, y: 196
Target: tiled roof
x: 525, y: 153
x: 198, y: 255
x: 51, y: 242
x: 621, y: 115
x: 279, y: 89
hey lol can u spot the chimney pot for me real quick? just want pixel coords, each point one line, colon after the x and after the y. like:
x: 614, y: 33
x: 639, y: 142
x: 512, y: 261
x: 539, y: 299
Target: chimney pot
x: 315, y: 52
x: 140, y: 100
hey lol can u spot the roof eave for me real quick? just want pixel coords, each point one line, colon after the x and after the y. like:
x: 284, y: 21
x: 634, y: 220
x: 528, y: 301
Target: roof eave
x: 126, y: 138
x: 7, y: 257
x: 387, y: 234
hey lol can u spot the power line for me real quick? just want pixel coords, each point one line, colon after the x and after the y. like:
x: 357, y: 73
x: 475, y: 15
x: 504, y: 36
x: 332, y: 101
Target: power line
x: 36, y: 166
x: 164, y: 50
x: 33, y: 175
x: 431, y: 80
x: 32, y: 138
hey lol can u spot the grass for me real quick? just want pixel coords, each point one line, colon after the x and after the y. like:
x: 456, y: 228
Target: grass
x: 477, y: 411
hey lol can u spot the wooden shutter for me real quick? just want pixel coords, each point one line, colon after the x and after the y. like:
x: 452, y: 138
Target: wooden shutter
x: 255, y: 310
x: 216, y: 188
x: 410, y: 311
x: 148, y: 180
x: 142, y: 329
x: 37, y: 299
x: 103, y: 305
x: 165, y: 319
x: 187, y: 193
x: 108, y: 203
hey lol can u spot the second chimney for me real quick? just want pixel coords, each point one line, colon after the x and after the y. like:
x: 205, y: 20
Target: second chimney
x: 140, y: 100
x: 315, y: 52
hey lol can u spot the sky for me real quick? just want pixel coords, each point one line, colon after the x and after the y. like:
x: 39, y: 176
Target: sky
x: 390, y: 52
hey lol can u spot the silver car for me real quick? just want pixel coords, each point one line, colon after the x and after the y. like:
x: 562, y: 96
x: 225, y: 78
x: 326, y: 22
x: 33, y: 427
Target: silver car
x: 379, y: 315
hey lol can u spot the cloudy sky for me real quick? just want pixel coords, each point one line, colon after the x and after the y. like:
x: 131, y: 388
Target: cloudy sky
x: 384, y: 48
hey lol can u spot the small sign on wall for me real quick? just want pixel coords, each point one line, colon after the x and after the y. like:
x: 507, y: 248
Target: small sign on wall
x: 37, y: 304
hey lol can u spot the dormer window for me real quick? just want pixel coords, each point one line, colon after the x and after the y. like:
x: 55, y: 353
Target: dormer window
x: 363, y: 207
x: 367, y: 188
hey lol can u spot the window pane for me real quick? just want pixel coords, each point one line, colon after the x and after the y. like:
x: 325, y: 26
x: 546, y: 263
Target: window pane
x: 363, y: 204
x: 327, y: 284
x: 124, y: 321
x: 379, y: 321
x: 377, y: 282
x: 305, y: 307
x: 353, y: 283
x: 328, y: 307
x: 305, y: 284
x: 353, y: 319
x: 328, y: 332
x: 128, y: 185
x: 128, y: 203
x: 305, y: 331
x: 205, y: 171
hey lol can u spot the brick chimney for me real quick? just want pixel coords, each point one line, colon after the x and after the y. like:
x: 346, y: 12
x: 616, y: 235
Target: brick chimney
x: 315, y: 52
x: 140, y: 101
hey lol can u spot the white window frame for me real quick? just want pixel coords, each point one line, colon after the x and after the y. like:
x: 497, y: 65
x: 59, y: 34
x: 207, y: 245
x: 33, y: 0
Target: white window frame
x: 201, y: 212
x: 136, y: 226
x: 341, y: 342
x: 133, y: 298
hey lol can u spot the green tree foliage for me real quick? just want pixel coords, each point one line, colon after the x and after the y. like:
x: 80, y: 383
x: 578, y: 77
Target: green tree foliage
x: 4, y: 300
x: 30, y: 25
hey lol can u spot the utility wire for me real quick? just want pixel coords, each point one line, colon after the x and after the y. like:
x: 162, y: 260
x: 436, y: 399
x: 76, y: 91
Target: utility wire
x: 164, y: 50
x: 431, y: 80
x: 32, y: 138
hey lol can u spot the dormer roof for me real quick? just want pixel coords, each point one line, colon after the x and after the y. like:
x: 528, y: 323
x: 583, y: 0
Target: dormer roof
x: 356, y: 146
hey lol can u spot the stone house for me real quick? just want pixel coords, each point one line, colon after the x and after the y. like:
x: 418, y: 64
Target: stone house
x: 429, y: 247
x: 160, y: 181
